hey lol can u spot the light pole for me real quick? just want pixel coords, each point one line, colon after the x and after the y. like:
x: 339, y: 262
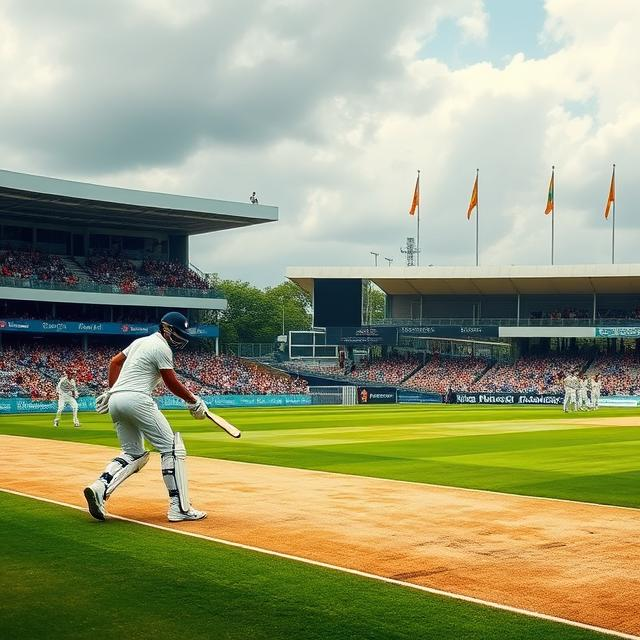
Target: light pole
x: 389, y: 260
x: 375, y: 257
x: 282, y: 300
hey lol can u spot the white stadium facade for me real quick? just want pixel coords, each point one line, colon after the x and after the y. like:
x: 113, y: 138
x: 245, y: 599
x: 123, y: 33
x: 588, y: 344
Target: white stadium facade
x: 496, y: 312
x: 79, y: 228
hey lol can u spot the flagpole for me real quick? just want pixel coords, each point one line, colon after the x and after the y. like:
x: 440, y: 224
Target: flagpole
x: 553, y: 209
x: 477, y: 218
x: 613, y: 226
x: 418, y: 230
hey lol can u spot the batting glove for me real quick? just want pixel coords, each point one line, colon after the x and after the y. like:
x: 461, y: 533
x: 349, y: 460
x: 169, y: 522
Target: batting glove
x: 102, y: 402
x: 197, y: 408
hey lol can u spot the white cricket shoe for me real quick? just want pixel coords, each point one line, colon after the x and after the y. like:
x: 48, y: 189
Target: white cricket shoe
x: 94, y: 495
x: 56, y: 423
x: 76, y: 425
x: 175, y: 515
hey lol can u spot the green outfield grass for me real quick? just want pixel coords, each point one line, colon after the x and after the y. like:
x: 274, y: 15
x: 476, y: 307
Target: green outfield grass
x: 65, y: 576
x: 530, y: 450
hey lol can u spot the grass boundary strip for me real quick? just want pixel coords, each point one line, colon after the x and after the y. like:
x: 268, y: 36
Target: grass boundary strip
x: 355, y: 572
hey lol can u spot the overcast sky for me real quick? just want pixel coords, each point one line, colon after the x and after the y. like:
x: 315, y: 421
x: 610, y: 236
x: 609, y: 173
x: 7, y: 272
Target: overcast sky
x: 327, y: 109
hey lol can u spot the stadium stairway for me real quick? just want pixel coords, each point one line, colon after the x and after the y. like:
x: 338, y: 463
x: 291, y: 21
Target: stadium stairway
x: 75, y: 269
x: 412, y: 373
x: 490, y: 365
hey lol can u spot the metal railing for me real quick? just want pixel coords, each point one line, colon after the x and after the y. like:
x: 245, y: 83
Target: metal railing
x: 94, y: 287
x: 511, y: 322
x: 249, y: 349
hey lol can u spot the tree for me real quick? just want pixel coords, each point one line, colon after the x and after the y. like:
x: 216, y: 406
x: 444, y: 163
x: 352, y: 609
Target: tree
x: 254, y: 315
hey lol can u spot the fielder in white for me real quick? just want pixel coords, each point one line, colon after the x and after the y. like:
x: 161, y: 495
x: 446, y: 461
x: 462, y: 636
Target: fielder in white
x: 67, y: 394
x: 596, y: 386
x: 582, y: 393
x: 133, y: 375
x: 570, y: 385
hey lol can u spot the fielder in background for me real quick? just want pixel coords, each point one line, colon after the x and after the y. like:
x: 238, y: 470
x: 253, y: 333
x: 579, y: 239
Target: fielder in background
x: 570, y: 383
x: 583, y: 393
x: 133, y: 375
x: 67, y: 393
x: 596, y: 386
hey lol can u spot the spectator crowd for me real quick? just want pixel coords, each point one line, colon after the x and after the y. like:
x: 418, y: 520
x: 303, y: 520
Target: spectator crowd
x: 441, y: 373
x: 101, y: 268
x: 36, y: 266
x: 33, y: 371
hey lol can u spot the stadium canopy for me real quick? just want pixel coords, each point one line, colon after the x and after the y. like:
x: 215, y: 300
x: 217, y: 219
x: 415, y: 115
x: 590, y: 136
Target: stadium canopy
x: 544, y: 280
x: 28, y: 199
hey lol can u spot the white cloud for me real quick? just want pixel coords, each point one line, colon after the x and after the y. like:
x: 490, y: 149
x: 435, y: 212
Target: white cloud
x: 475, y: 25
x: 327, y: 111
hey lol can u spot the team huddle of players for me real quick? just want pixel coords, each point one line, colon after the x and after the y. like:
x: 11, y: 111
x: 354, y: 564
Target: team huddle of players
x: 581, y: 393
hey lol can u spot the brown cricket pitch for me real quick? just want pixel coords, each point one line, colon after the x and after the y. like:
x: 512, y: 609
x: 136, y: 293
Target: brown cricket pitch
x: 572, y: 560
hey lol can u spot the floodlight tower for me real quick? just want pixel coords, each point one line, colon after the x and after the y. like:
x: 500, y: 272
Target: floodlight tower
x: 410, y: 251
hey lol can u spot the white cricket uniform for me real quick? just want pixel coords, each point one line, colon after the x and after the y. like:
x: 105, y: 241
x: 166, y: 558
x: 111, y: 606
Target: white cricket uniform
x: 569, y: 393
x: 133, y: 411
x: 583, y: 398
x: 67, y: 393
x: 596, y: 385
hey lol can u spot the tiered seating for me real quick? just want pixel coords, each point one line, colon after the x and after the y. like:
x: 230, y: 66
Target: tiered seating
x: 532, y: 374
x: 232, y: 375
x: 114, y: 271
x: 172, y: 274
x: 34, y: 371
x: 442, y: 373
x: 620, y: 373
x: 104, y: 269
x: 33, y: 265
x: 391, y: 370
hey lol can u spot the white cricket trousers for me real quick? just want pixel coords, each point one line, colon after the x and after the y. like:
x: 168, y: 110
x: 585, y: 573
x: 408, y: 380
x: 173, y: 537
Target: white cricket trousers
x: 65, y: 399
x: 569, y: 399
x: 136, y: 417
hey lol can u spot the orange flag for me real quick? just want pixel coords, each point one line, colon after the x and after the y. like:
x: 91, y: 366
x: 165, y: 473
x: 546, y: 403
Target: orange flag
x: 612, y: 193
x: 416, y: 197
x: 474, y: 198
x: 550, y: 196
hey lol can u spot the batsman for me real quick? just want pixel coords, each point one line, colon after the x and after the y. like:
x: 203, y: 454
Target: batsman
x: 133, y: 375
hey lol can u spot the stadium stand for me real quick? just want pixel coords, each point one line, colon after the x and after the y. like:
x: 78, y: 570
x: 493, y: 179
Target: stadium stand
x: 620, y: 373
x: 34, y: 265
x: 33, y: 371
x: 531, y: 373
x: 392, y: 370
x: 100, y: 268
x: 443, y: 373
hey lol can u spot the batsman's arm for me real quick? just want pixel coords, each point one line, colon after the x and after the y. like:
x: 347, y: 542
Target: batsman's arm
x: 115, y: 366
x: 176, y: 387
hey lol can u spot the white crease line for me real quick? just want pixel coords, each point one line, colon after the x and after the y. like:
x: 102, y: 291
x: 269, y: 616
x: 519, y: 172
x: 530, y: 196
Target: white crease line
x: 355, y: 572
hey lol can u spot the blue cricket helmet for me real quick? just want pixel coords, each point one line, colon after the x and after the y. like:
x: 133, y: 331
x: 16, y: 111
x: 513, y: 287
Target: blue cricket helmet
x: 175, y: 329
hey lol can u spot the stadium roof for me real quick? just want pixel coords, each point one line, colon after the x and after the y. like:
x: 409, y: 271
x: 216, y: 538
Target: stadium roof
x: 28, y: 199
x: 570, y: 279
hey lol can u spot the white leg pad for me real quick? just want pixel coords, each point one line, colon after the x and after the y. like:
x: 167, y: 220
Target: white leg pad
x: 120, y: 468
x: 174, y: 473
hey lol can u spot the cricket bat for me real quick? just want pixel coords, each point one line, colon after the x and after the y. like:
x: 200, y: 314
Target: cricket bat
x: 223, y: 424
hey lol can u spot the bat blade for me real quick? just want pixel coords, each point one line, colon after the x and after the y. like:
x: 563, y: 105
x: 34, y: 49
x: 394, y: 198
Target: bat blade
x: 223, y: 424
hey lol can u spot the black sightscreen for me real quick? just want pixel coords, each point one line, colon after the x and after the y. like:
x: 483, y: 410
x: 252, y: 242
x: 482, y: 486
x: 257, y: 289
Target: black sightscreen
x: 337, y: 303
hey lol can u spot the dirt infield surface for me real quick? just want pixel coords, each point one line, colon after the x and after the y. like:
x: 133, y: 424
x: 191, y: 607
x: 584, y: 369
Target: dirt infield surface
x: 567, y: 559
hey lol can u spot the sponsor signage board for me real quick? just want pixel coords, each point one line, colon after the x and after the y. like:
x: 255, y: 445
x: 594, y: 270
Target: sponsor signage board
x: 507, y: 398
x: 88, y: 403
x: 406, y: 396
x: 449, y: 331
x: 103, y: 328
x: 617, y: 332
x: 365, y: 336
x: 377, y: 395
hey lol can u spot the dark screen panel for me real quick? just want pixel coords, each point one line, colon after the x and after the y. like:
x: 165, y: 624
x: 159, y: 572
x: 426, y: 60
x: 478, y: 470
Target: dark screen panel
x: 337, y: 303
